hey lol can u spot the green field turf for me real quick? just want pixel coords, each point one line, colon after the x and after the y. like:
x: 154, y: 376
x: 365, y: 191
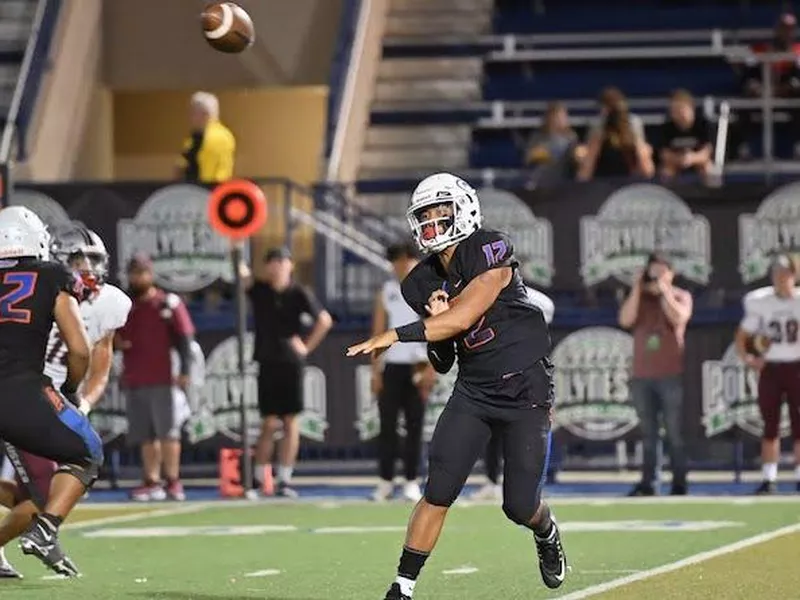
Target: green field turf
x: 306, y: 551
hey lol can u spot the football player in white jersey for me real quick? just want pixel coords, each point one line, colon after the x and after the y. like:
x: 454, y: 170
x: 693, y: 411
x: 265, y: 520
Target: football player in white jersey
x: 104, y: 310
x: 768, y: 340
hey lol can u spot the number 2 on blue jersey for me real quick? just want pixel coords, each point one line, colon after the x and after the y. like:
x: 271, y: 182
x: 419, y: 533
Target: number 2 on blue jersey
x: 23, y: 287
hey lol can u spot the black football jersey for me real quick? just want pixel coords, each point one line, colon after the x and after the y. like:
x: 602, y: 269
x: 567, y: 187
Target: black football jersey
x: 512, y: 336
x: 28, y: 291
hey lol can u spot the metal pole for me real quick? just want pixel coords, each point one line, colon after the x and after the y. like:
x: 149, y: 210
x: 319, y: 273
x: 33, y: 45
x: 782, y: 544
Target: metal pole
x: 241, y: 329
x: 766, y: 118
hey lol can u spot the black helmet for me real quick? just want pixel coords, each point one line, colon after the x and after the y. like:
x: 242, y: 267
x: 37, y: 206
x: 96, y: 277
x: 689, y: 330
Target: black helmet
x: 76, y: 241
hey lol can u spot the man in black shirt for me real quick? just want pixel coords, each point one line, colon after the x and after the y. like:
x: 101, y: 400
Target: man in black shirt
x: 481, y: 313
x: 35, y: 417
x: 283, y: 312
x: 686, y: 139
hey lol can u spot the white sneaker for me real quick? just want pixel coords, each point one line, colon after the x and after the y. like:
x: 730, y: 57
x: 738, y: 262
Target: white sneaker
x: 148, y: 493
x: 489, y: 492
x: 411, y: 491
x: 383, y: 492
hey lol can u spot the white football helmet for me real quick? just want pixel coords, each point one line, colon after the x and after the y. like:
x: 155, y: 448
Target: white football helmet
x: 466, y: 219
x: 22, y: 233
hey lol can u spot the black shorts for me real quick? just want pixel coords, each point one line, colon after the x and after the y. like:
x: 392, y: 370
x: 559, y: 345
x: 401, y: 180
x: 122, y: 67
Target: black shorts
x: 37, y: 419
x: 280, y: 389
x: 522, y: 428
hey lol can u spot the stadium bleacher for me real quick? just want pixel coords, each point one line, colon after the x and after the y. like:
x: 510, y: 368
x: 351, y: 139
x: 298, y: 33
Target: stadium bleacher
x: 16, y: 19
x: 487, y: 78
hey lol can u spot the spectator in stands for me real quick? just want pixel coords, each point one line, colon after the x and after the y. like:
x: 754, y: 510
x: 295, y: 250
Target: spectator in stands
x: 551, y: 150
x: 686, y: 139
x: 402, y: 378
x: 616, y: 145
x: 785, y: 80
x: 208, y: 152
x: 158, y: 321
x: 657, y: 313
x: 282, y: 311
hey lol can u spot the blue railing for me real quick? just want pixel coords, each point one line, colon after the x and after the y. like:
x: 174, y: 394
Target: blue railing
x: 340, y: 66
x: 34, y: 64
x: 39, y: 64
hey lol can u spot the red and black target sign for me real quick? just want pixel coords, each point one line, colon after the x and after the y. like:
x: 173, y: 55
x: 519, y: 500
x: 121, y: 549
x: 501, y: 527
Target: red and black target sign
x: 237, y: 209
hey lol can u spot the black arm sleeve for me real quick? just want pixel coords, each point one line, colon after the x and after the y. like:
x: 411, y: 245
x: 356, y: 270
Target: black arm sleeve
x: 442, y: 355
x: 183, y: 344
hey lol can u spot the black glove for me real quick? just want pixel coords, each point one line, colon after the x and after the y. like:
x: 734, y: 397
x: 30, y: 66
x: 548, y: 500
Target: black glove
x: 70, y: 393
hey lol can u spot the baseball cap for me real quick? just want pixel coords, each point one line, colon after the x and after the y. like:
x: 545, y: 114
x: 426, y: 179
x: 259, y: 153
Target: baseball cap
x: 278, y: 254
x: 783, y: 261
x: 140, y: 262
x: 659, y: 258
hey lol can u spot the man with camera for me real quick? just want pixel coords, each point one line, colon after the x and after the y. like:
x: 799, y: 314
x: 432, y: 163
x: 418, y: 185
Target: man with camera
x: 657, y: 313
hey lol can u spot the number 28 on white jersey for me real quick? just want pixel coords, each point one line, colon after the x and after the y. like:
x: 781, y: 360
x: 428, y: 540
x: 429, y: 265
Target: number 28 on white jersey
x: 777, y: 318
x: 105, y: 312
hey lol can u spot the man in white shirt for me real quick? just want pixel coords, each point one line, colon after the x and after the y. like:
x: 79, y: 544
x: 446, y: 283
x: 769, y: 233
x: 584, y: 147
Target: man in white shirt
x: 401, y: 379
x: 768, y: 340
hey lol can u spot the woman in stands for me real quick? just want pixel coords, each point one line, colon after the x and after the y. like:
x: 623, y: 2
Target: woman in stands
x: 551, y: 150
x: 616, y: 146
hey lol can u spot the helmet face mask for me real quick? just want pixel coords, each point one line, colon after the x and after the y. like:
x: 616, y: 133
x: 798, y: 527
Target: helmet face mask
x: 83, y: 251
x: 444, y: 211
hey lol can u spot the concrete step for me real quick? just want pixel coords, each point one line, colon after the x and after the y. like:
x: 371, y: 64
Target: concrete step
x: 428, y: 89
x: 415, y: 158
x: 430, y: 68
x: 381, y: 136
x: 17, y: 9
x: 438, y: 23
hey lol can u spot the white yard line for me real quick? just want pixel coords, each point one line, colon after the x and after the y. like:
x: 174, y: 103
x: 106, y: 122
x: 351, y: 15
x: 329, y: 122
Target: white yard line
x: 460, y: 571
x: 138, y: 516
x: 334, y: 502
x: 264, y: 573
x: 680, y: 564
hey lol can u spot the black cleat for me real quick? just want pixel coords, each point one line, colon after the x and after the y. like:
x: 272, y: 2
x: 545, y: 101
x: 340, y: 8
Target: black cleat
x: 394, y: 593
x: 9, y: 572
x: 42, y: 542
x: 283, y: 490
x: 766, y: 488
x: 552, y: 560
x: 641, y: 489
x: 679, y: 489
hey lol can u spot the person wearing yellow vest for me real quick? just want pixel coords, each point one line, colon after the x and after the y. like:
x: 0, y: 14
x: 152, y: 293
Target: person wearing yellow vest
x: 208, y: 153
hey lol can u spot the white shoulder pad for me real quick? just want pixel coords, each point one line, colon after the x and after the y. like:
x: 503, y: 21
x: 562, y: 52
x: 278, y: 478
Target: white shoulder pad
x: 114, y: 305
x: 755, y: 296
x: 544, y: 302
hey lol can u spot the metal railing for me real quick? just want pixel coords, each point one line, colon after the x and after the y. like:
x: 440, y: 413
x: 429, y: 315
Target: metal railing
x: 345, y: 89
x: 509, y: 42
x: 343, y: 54
x: 34, y: 61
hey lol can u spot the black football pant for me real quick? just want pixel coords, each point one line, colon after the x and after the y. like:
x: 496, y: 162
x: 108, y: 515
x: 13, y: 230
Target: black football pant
x: 522, y: 429
x: 399, y: 393
x: 37, y: 419
x: 492, y: 459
